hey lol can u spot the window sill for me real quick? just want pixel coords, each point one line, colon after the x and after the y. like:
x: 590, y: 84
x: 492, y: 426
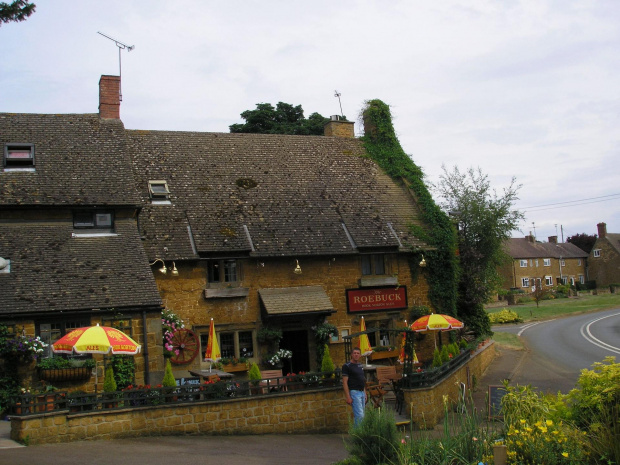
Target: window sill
x: 227, y: 293
x: 372, y: 281
x: 94, y: 234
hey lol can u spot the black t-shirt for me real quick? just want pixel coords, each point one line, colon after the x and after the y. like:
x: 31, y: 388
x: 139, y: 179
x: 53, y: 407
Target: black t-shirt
x: 355, y: 373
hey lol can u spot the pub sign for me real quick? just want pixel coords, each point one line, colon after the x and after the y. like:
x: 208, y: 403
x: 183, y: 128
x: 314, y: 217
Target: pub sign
x: 376, y: 299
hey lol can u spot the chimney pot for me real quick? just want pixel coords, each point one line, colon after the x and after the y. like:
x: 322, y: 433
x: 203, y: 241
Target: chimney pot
x: 109, y: 97
x: 602, y: 230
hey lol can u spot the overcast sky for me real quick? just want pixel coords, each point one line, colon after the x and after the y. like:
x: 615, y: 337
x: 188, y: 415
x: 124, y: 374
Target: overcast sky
x: 518, y: 88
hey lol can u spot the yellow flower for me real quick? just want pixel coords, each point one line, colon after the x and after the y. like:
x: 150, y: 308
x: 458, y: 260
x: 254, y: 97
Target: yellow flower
x: 549, y: 422
x: 565, y: 455
x: 528, y: 429
x: 522, y: 422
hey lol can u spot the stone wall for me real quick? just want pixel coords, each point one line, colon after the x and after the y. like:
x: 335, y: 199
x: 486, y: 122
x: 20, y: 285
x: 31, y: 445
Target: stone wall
x: 425, y: 406
x: 309, y: 412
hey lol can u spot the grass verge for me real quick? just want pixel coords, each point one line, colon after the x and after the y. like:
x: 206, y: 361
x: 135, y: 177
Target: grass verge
x: 560, y: 307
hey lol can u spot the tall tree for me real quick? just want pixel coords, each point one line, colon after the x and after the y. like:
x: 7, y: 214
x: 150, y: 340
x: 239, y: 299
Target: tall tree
x: 584, y: 241
x: 485, y: 221
x: 19, y: 10
x: 283, y: 119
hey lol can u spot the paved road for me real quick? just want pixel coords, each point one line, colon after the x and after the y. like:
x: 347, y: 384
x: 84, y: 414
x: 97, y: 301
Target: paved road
x: 557, y: 350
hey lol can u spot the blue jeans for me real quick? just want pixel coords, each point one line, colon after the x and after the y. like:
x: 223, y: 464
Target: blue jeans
x: 358, y: 404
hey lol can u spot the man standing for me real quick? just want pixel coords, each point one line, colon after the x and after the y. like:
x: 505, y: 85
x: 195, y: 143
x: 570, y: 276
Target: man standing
x: 354, y: 383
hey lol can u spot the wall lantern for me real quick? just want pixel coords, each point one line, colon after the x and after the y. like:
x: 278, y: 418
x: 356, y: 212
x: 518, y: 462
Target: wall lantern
x: 163, y: 269
x: 422, y: 262
x: 297, y: 269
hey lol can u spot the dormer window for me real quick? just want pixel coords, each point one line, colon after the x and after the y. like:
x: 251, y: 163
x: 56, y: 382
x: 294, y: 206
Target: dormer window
x: 373, y: 264
x: 103, y: 221
x: 18, y: 156
x: 159, y: 192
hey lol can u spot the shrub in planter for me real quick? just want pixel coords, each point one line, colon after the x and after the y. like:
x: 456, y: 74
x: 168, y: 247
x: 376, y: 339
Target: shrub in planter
x: 254, y: 375
x: 437, y: 358
x: 445, y: 355
x: 109, y: 387
x: 327, y: 364
x: 169, y: 382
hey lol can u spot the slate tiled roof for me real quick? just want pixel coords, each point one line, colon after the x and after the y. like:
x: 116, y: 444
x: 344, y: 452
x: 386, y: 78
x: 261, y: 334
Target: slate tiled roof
x: 295, y: 300
x: 519, y: 248
x: 80, y: 159
x: 52, y: 271
x: 292, y: 193
x: 614, y: 240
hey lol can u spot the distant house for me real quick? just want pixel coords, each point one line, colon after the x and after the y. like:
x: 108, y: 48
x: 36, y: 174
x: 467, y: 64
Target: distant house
x: 604, y: 259
x: 542, y: 263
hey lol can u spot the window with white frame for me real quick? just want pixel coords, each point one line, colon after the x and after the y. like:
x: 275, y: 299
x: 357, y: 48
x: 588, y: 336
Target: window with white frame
x: 548, y: 280
x: 546, y: 262
x: 93, y: 219
x: 564, y: 280
x: 562, y: 262
x: 18, y: 156
x: 579, y: 262
x: 596, y: 252
x: 582, y: 279
x: 525, y: 282
x: 536, y: 263
x: 159, y: 192
x: 523, y: 263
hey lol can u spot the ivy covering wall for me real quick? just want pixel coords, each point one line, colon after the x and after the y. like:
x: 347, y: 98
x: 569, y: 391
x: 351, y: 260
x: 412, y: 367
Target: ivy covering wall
x: 383, y: 147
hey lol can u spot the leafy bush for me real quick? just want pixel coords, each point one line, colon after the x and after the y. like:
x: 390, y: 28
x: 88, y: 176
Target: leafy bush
x: 269, y: 334
x: 437, y: 358
x: 595, y: 407
x: 504, y: 316
x: 445, y: 355
x: 375, y: 440
x: 124, y: 370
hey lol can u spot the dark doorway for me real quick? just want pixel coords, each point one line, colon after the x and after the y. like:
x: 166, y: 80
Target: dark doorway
x: 296, y: 342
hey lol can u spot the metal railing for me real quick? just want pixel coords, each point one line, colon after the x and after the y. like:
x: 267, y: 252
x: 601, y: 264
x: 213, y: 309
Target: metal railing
x: 144, y: 396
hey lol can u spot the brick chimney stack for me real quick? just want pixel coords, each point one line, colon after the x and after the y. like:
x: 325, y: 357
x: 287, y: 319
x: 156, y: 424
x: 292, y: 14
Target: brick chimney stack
x: 339, y: 128
x: 109, y: 97
x: 530, y: 238
x: 602, y: 230
x: 553, y: 239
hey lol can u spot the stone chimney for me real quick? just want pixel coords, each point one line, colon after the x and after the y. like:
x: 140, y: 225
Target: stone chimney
x: 530, y: 238
x: 110, y: 97
x: 553, y: 239
x: 602, y: 230
x: 338, y: 128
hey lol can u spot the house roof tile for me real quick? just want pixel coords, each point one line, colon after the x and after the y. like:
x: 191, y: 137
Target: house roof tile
x: 268, y: 195
x: 522, y: 248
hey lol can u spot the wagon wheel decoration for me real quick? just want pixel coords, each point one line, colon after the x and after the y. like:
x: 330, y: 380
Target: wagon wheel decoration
x: 185, y: 342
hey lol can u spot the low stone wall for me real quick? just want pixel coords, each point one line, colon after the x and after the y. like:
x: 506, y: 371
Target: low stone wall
x: 321, y: 411
x: 425, y: 406
x: 307, y: 412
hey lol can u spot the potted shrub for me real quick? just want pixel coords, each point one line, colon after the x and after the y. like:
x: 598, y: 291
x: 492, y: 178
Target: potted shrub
x: 254, y: 375
x: 169, y: 383
x: 327, y: 366
x: 80, y: 400
x: 109, y: 388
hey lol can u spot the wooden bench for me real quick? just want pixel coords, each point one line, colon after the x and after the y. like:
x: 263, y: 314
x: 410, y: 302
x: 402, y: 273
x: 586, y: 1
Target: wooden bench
x: 272, y: 380
x: 387, y: 377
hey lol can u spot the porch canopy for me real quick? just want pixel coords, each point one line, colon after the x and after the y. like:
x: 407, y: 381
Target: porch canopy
x: 295, y: 301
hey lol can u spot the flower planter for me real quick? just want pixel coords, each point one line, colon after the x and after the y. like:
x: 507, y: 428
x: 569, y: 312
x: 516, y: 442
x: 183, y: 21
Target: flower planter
x: 53, y: 375
x: 45, y: 403
x: 235, y: 368
x: 384, y: 354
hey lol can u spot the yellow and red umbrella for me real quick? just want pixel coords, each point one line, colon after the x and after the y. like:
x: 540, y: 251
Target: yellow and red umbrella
x: 96, y: 340
x: 364, y: 341
x: 436, y: 322
x: 213, y: 353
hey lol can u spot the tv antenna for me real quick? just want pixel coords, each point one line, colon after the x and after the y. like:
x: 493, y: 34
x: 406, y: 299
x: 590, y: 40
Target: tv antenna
x: 120, y: 46
x: 338, y: 94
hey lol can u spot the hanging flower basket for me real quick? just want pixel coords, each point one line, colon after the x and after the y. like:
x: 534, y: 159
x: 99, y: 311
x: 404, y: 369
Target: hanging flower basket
x: 53, y: 375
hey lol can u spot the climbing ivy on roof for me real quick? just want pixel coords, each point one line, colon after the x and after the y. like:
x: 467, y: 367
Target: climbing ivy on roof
x: 383, y: 147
